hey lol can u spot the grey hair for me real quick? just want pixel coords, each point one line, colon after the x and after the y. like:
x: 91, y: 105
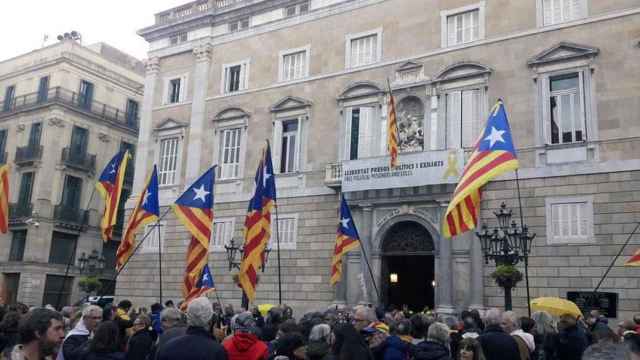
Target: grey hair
x: 171, y: 314
x: 199, y: 312
x: 439, y: 333
x: 92, y: 309
x: 544, y: 322
x: 513, y: 318
x: 369, y: 313
x: 320, y: 332
x: 493, y: 317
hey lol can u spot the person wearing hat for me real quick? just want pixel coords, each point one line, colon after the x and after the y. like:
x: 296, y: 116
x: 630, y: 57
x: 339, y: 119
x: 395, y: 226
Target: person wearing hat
x: 571, y: 341
x: 244, y: 343
x: 197, y: 343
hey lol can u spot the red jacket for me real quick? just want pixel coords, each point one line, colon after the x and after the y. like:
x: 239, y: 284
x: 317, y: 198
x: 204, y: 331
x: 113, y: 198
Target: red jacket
x: 245, y: 346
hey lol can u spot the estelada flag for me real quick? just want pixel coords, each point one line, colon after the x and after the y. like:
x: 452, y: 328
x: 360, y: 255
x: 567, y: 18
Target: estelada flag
x: 109, y: 186
x: 147, y: 210
x: 204, y: 285
x: 347, y: 239
x: 194, y: 208
x: 494, y: 154
x: 4, y: 198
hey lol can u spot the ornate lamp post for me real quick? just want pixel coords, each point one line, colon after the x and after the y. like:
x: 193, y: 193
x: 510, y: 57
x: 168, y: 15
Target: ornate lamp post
x: 507, y: 245
x: 232, y: 251
x: 91, y: 265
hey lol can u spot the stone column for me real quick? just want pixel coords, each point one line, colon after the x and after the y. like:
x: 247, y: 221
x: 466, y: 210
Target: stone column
x: 366, y: 237
x: 477, y: 272
x: 145, y: 141
x: 198, y: 111
x: 444, y: 278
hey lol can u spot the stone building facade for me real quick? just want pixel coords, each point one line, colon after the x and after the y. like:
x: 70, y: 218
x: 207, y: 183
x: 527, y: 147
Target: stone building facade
x: 311, y: 76
x: 66, y: 110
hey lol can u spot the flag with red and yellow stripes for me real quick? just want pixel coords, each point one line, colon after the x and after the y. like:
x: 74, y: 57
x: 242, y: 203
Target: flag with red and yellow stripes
x: 257, y: 225
x: 110, y: 188
x: 347, y: 239
x: 4, y: 198
x: 147, y: 210
x: 194, y: 208
x: 493, y: 155
x: 392, y: 131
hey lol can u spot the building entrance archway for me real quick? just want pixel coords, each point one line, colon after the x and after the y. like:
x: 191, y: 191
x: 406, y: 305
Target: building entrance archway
x: 408, y: 266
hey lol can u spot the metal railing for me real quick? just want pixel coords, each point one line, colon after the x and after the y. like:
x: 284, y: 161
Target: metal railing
x: 75, y: 100
x: 70, y: 215
x: 28, y: 153
x: 192, y: 9
x: 3, y: 158
x: 333, y: 175
x: 80, y: 161
x: 19, y: 211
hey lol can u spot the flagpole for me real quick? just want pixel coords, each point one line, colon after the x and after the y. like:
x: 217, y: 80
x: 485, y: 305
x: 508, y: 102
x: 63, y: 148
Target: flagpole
x: 366, y: 260
x: 595, y: 291
x: 135, y: 250
x: 526, y: 257
x: 158, y: 225
x: 275, y: 204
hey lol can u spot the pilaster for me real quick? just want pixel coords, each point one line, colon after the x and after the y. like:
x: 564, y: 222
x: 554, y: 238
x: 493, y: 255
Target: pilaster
x: 145, y: 142
x: 444, y: 277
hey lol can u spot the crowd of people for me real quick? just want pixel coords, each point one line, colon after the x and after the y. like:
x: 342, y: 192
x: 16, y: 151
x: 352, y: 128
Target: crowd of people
x: 209, y: 331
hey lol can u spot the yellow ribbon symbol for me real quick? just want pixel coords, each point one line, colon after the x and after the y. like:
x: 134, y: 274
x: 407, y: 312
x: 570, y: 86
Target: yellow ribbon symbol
x: 452, y: 165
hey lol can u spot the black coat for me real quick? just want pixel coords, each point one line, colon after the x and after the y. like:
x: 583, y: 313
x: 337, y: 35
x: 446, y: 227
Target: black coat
x: 498, y: 345
x: 431, y: 350
x: 570, y: 343
x: 140, y: 345
x: 74, y: 346
x: 103, y: 356
x: 195, y: 344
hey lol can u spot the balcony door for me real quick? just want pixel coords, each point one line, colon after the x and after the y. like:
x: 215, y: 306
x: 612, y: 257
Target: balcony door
x: 71, y: 192
x: 79, y: 140
x: 34, y: 135
x: 26, y: 186
x: 86, y: 94
x: 43, y: 89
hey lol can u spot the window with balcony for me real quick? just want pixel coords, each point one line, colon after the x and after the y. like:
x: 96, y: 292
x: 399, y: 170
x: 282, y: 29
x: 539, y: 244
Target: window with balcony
x: 464, y: 117
x: 3, y: 146
x: 364, y: 48
x: 230, y: 153
x: 463, y: 25
x: 18, y: 242
x: 239, y: 25
x: 294, y: 64
x: 43, y: 89
x: 168, y: 160
x: 361, y: 128
x: 85, y: 95
x: 560, y: 11
x: 289, y: 151
x: 26, y: 187
x: 222, y: 233
x: 569, y: 219
x: 132, y: 112
x: 71, y: 193
x: 35, y: 134
x: 63, y: 248
x: 285, y: 227
x: 57, y: 290
x: 79, y: 141
x: 9, y: 97
x: 235, y: 77
x: 175, y: 90
x: 566, y: 109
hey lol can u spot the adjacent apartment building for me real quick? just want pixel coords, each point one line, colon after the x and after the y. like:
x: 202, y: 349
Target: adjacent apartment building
x: 66, y: 110
x: 312, y: 77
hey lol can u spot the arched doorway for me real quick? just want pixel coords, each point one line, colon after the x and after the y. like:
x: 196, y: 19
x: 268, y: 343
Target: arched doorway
x: 408, y: 264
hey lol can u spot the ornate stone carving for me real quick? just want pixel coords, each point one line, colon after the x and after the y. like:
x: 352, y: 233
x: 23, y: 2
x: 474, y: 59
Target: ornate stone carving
x: 104, y: 137
x: 407, y: 237
x: 203, y: 53
x: 410, y: 124
x: 20, y: 128
x: 152, y: 65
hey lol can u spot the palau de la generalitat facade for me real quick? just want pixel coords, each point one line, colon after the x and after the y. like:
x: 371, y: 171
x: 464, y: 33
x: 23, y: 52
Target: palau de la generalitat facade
x: 311, y: 77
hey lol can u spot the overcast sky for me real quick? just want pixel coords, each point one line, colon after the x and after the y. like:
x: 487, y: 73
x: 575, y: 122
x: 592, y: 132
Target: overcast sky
x: 23, y: 23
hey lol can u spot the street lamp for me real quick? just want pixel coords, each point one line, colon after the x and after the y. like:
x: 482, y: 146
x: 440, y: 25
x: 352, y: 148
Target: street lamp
x: 92, y: 264
x: 232, y: 251
x: 507, y: 245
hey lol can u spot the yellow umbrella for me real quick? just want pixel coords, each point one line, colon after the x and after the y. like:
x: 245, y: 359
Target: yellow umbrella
x: 555, y: 306
x: 264, y: 308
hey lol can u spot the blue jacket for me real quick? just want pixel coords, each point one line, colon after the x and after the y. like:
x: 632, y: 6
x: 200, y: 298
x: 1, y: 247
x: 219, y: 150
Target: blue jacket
x: 156, y: 323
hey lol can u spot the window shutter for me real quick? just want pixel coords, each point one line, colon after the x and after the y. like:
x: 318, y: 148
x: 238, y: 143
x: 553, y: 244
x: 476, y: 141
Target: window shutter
x: 451, y: 30
x: 454, y: 118
x: 365, y: 133
x: 347, y: 134
x: 384, y: 121
x: 434, y: 139
x: 298, y: 148
x: 547, y: 12
x: 277, y: 146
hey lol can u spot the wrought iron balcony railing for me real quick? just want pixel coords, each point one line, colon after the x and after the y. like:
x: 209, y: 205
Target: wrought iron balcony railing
x: 74, y: 100
x: 70, y: 216
x: 333, y: 175
x: 28, y: 154
x: 80, y: 161
x: 18, y: 212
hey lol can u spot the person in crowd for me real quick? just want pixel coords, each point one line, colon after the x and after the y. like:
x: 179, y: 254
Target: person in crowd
x: 67, y: 313
x: 595, y: 321
x: 41, y: 332
x: 436, y: 346
x: 141, y: 342
x: 169, y: 304
x: 348, y: 344
x: 418, y: 328
x: 571, y: 340
x: 173, y: 325
x: 287, y: 312
x: 475, y: 314
x: 228, y: 314
x: 632, y: 343
x: 244, y: 344
x: 497, y: 344
x: 9, y: 332
x: 606, y: 345
x: 290, y: 347
x: 469, y: 349
x: 77, y: 340
x: 123, y: 319
x: 398, y: 345
x: 197, y: 343
x: 108, y: 312
x: 257, y: 316
x: 272, y: 324
x: 319, y: 345
x: 511, y: 325
x: 625, y: 327
x: 105, y: 344
x: 363, y: 316
x: 156, y: 308
x: 544, y: 333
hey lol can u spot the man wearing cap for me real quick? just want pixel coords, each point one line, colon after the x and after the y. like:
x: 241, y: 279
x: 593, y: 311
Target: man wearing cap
x: 244, y: 344
x: 197, y: 343
x: 571, y: 341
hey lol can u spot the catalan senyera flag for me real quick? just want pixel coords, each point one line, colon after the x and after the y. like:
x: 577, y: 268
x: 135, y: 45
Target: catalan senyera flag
x: 194, y: 208
x: 634, y: 260
x: 257, y: 225
x: 110, y: 188
x: 493, y: 155
x: 4, y: 198
x: 147, y: 210
x: 392, y: 131
x: 204, y: 285
x: 347, y: 239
